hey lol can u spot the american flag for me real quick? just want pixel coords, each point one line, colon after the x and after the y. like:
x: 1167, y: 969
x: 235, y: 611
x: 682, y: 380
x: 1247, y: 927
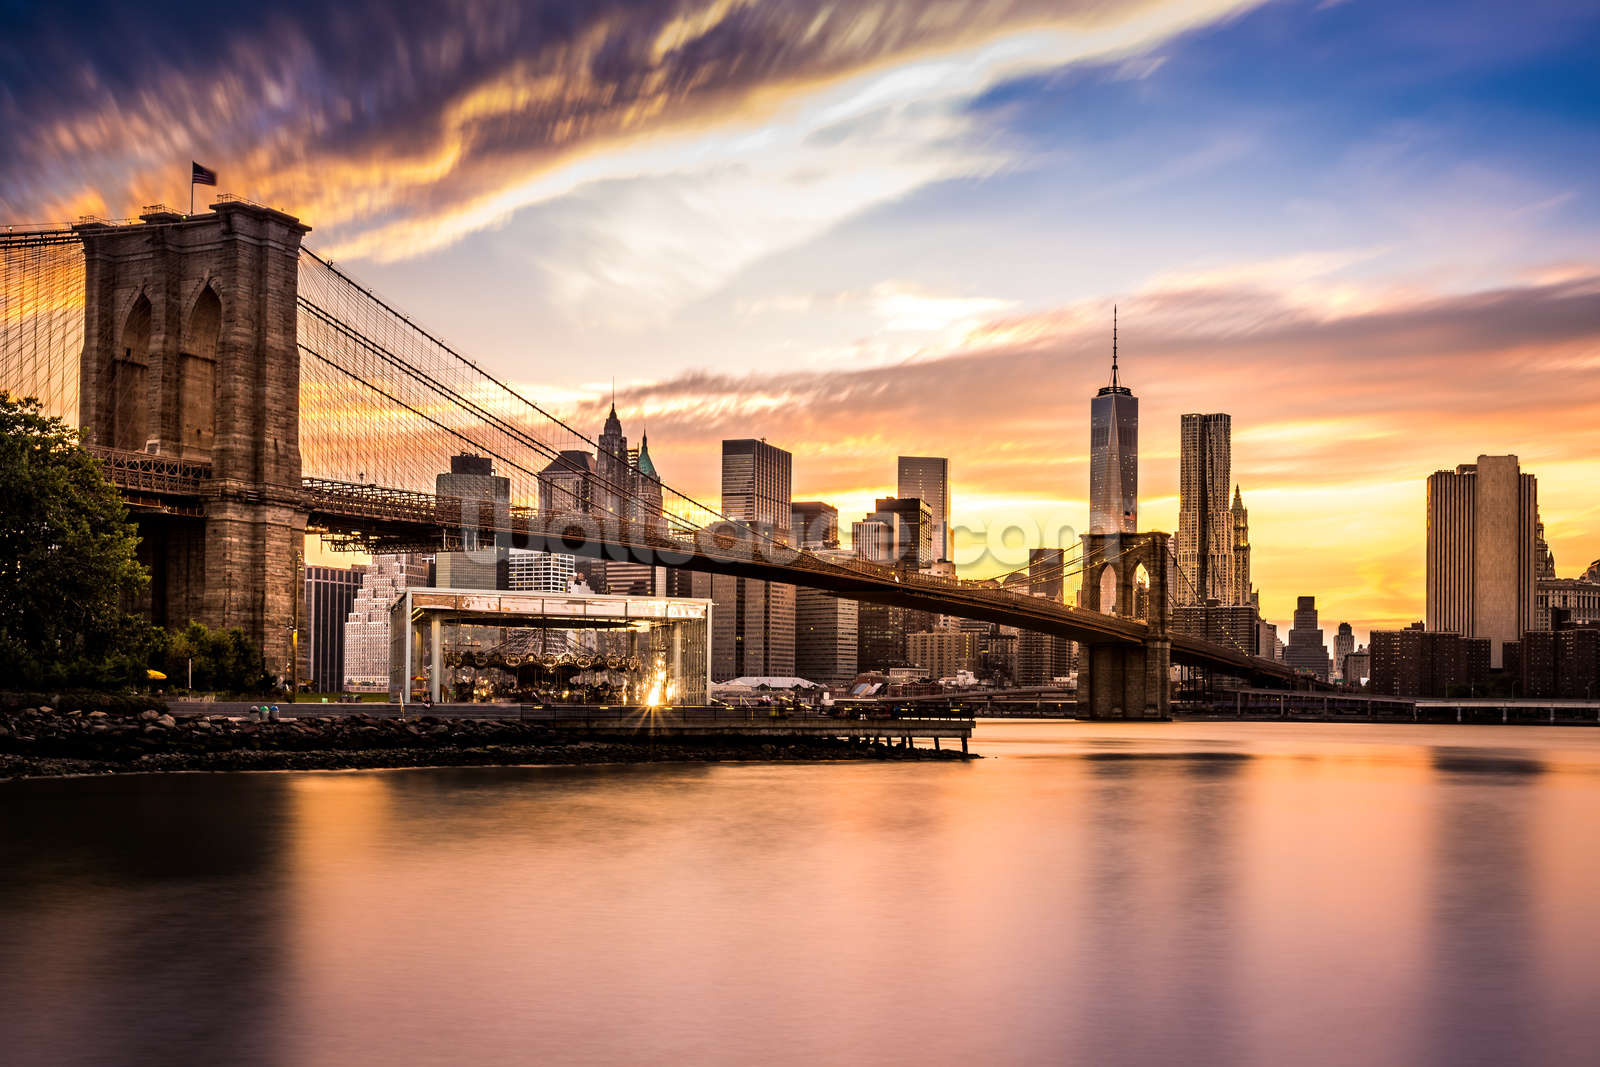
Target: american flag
x: 203, y: 175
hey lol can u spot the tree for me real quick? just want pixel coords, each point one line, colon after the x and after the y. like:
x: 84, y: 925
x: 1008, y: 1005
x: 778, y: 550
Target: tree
x: 220, y: 660
x: 68, y: 563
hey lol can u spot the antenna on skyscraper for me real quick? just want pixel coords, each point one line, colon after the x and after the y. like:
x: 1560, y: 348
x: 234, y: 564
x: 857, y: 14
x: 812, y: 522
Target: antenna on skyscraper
x: 1113, y: 346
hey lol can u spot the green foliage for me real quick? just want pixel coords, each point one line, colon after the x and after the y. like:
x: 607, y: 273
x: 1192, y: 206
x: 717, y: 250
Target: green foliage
x: 68, y: 562
x: 224, y: 661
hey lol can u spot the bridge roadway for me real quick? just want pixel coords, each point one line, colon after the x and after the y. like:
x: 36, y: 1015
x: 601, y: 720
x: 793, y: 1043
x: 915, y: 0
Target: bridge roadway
x: 381, y: 519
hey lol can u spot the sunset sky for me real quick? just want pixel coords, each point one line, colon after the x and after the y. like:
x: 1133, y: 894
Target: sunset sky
x: 1369, y: 230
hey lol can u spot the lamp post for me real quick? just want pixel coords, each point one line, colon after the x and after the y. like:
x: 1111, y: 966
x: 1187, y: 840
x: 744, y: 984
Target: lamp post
x: 299, y: 577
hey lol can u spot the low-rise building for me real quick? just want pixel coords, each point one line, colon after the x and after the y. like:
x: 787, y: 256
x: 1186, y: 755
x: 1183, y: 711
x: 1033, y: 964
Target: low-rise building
x: 1427, y: 663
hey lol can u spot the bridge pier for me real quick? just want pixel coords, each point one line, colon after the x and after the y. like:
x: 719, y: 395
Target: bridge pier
x: 190, y: 355
x: 1122, y: 680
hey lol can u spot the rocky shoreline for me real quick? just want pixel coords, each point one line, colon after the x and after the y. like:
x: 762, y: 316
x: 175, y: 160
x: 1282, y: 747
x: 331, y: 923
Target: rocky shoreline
x: 43, y: 742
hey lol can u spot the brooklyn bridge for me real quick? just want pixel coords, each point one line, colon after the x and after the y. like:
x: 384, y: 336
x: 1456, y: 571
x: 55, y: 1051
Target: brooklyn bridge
x: 242, y: 391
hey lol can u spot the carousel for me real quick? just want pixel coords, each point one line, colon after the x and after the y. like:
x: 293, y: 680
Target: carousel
x: 476, y: 646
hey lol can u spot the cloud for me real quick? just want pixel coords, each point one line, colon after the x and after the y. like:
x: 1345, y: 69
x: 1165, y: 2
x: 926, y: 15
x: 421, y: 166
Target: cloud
x: 393, y: 127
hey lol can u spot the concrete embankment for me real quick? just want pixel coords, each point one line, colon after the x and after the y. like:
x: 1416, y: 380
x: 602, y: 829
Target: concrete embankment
x: 42, y: 741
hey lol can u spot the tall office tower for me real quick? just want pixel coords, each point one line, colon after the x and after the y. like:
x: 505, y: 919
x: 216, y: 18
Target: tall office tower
x: 612, y: 472
x: 1241, y: 552
x: 872, y: 540
x: 1344, y: 643
x: 644, y: 507
x: 366, y: 628
x: 330, y: 593
x: 753, y: 620
x: 825, y: 637
x: 1483, y: 521
x: 755, y: 484
x: 927, y: 478
x: 814, y: 524
x: 752, y: 625
x: 911, y: 520
x: 540, y: 572
x: 472, y: 480
x: 1114, y: 454
x: 1306, y: 652
x: 1205, y: 525
x: 480, y: 564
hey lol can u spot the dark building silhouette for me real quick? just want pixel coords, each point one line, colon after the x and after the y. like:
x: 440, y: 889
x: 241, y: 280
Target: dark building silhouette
x: 330, y: 594
x: 1427, y: 663
x: 1306, y: 650
x: 1561, y: 664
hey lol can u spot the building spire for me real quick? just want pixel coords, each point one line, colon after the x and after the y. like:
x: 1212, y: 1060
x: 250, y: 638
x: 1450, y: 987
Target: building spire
x: 1113, y: 346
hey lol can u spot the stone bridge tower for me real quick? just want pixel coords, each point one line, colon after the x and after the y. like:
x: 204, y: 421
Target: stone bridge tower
x: 1121, y: 681
x: 189, y: 356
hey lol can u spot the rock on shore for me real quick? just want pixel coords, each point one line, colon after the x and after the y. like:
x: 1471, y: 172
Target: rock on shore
x: 41, y: 741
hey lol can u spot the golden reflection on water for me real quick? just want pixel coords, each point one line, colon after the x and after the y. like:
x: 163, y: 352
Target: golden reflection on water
x: 1197, y: 893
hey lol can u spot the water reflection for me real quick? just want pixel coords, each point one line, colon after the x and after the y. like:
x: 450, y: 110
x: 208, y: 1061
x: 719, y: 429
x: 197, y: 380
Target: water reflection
x: 144, y: 920
x: 1253, y: 894
x: 1481, y: 933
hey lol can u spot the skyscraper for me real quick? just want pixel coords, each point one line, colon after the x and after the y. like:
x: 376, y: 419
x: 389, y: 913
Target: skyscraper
x: 1114, y: 453
x: 1205, y: 523
x: 330, y: 593
x: 872, y: 540
x: 612, y: 473
x: 825, y: 637
x: 814, y: 524
x: 755, y: 485
x: 1241, y: 551
x: 911, y: 520
x: 366, y: 629
x: 927, y: 478
x: 480, y: 564
x: 1344, y: 643
x: 1306, y: 651
x: 1483, y: 523
x: 753, y: 620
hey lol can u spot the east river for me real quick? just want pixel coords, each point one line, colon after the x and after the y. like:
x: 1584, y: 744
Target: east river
x: 1210, y: 893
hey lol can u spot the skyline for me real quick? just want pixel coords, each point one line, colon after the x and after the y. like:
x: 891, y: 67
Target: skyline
x: 1353, y: 229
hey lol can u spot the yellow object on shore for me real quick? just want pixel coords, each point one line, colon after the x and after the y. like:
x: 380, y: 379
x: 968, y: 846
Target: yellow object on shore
x: 154, y: 676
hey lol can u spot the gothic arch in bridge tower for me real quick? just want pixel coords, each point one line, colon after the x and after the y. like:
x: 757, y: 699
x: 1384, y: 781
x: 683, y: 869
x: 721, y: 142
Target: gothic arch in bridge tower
x: 1126, y: 679
x: 128, y: 382
x: 197, y: 376
x: 1107, y: 584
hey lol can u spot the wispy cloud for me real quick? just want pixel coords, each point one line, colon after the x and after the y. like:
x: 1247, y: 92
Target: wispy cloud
x: 393, y: 127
